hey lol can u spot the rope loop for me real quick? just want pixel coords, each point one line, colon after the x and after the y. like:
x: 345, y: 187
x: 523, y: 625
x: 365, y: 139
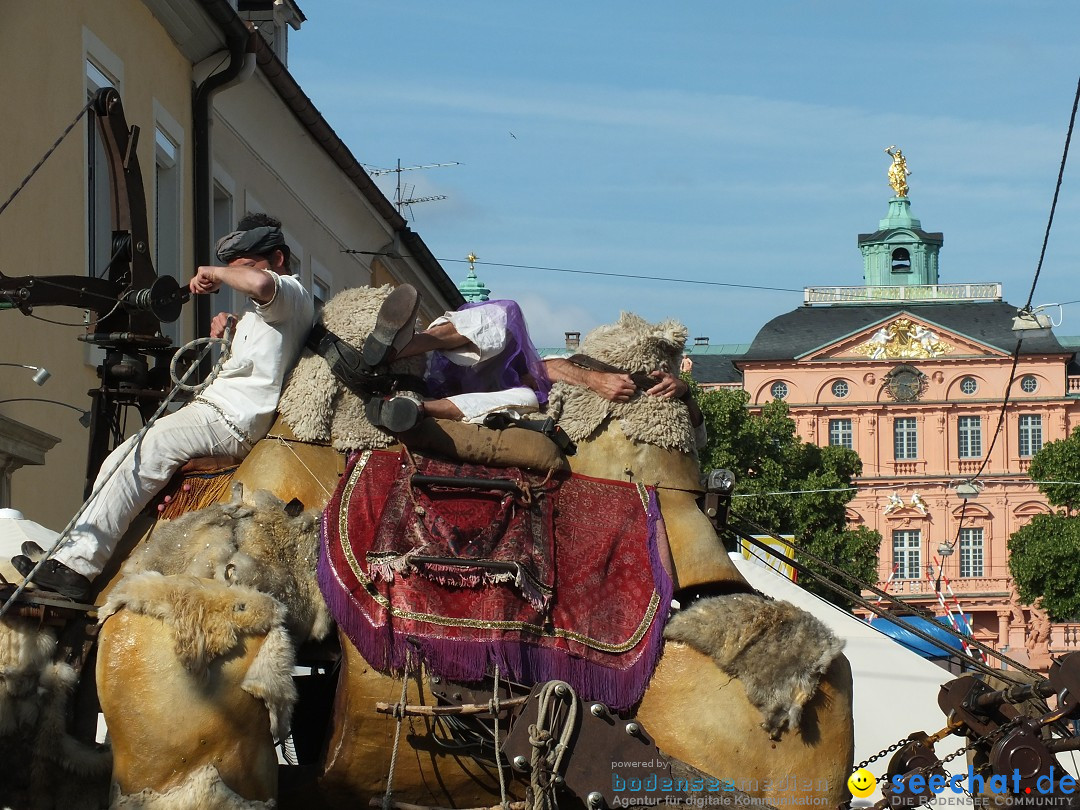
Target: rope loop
x: 208, y: 342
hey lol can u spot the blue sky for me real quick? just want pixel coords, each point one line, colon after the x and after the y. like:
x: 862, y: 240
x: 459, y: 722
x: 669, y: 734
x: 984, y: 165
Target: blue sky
x: 717, y: 142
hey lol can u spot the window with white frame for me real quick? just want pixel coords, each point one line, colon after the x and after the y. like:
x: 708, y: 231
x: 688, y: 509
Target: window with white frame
x: 971, y: 552
x: 907, y: 553
x: 224, y: 217
x: 320, y: 291
x: 779, y: 390
x: 969, y: 436
x: 1029, y: 432
x: 840, y: 433
x: 99, y: 226
x: 905, y: 438
x: 167, y: 216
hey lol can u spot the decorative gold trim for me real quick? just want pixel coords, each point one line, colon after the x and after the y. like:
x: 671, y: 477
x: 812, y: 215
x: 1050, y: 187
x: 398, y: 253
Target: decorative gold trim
x: 903, y: 339
x: 442, y: 621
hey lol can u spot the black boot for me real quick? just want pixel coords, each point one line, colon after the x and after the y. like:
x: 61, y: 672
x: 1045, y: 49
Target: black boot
x: 396, y: 414
x: 56, y: 577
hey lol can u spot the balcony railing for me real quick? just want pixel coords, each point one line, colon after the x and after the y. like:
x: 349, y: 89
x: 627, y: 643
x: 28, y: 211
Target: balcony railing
x: 990, y: 291
x: 969, y: 466
x: 909, y: 467
x: 1072, y: 385
x: 961, y: 586
x: 1064, y: 637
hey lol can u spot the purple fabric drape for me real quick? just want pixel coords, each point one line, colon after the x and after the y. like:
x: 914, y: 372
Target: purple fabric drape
x: 517, y: 365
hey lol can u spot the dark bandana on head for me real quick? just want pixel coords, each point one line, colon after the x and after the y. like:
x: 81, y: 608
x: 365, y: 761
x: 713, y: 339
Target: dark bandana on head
x: 258, y: 241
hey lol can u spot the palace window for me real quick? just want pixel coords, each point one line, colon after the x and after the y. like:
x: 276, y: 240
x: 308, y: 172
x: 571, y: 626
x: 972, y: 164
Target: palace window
x: 840, y: 434
x: 907, y: 553
x: 971, y: 552
x: 1029, y: 384
x: 779, y: 390
x: 1030, y: 434
x: 969, y: 385
x: 840, y: 389
x: 905, y: 438
x: 969, y: 436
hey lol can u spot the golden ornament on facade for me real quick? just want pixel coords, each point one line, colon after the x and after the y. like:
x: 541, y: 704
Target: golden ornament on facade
x: 903, y: 339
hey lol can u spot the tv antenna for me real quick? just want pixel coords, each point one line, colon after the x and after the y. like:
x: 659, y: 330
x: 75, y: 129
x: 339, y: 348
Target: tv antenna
x: 403, y: 198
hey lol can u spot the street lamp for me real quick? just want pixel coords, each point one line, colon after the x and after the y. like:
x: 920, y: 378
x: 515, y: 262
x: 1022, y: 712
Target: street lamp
x: 84, y: 416
x: 41, y: 374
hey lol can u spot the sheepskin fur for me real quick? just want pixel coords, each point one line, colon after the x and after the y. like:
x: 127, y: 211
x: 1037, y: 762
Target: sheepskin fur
x: 314, y: 403
x: 26, y: 649
x: 253, y: 543
x: 202, y: 789
x: 208, y: 619
x: 778, y: 651
x: 45, y: 766
x: 636, y: 346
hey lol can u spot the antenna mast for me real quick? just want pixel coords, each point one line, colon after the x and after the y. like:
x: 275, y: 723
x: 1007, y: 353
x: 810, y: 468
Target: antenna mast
x: 403, y: 200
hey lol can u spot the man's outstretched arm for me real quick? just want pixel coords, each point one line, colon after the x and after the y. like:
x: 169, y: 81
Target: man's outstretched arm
x: 611, y: 386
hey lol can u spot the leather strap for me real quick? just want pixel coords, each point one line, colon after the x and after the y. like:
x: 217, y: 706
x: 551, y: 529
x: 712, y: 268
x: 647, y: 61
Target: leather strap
x: 642, y: 381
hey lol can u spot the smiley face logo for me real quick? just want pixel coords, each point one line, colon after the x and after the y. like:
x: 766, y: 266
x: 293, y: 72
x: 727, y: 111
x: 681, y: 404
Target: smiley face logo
x: 861, y: 783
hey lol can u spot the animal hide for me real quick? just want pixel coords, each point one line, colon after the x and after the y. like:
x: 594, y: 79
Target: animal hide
x: 315, y: 404
x: 202, y: 789
x: 778, y: 651
x: 44, y: 765
x: 636, y: 346
x: 208, y: 619
x: 255, y: 544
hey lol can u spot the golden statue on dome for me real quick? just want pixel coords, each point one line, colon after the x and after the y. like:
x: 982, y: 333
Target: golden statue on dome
x: 898, y: 171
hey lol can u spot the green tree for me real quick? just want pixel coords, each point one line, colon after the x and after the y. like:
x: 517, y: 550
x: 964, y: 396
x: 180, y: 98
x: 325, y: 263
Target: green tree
x: 767, y: 456
x: 1044, y: 555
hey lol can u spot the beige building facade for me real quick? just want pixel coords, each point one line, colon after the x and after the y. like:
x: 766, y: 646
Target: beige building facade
x: 223, y: 129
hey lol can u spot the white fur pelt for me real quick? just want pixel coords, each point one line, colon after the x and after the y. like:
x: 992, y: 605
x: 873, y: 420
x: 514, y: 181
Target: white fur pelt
x: 209, y: 619
x: 253, y: 543
x: 314, y: 403
x: 45, y: 766
x: 203, y: 789
x: 635, y: 346
x: 778, y: 651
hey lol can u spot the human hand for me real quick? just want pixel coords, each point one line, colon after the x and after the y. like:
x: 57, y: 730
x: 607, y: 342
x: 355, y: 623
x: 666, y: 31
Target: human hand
x: 612, y: 387
x: 221, y: 322
x: 668, y: 386
x: 206, y: 280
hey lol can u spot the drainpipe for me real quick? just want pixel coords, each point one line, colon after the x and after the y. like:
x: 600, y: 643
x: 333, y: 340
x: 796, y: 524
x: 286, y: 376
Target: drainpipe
x: 241, y: 66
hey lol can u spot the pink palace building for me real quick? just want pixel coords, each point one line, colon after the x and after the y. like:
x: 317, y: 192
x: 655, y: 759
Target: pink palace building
x: 911, y: 374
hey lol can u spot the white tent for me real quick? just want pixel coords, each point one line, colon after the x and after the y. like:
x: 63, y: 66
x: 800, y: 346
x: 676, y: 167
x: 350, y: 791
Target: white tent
x: 15, y: 529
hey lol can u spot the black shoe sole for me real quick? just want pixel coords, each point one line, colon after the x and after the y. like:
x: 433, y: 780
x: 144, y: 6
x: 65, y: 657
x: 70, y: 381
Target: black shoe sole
x: 396, y: 414
x: 396, y: 319
x: 55, y: 577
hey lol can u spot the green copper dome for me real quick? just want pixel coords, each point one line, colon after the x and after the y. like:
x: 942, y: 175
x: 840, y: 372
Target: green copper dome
x: 473, y: 289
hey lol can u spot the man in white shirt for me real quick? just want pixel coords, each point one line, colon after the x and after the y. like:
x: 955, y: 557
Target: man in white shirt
x: 226, y: 419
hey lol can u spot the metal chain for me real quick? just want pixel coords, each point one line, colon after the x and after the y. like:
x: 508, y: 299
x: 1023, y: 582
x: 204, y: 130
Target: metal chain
x: 882, y: 753
x: 1004, y: 727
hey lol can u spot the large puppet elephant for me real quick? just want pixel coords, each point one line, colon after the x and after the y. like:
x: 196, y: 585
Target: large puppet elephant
x: 194, y: 664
